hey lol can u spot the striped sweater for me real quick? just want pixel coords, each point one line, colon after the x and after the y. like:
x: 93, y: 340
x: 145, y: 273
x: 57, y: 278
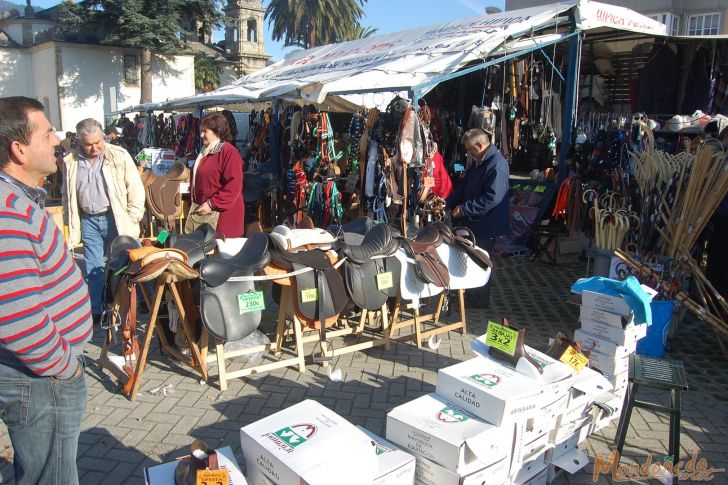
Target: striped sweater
x: 45, y: 313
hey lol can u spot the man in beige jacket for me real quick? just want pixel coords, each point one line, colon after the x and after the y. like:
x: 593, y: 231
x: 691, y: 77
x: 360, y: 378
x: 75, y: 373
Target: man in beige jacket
x: 103, y: 197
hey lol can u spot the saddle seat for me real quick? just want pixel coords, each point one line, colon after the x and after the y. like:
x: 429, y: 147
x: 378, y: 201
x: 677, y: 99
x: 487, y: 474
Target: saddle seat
x: 377, y: 242
x: 163, y: 197
x: 295, y: 240
x: 252, y: 257
x: 196, y: 244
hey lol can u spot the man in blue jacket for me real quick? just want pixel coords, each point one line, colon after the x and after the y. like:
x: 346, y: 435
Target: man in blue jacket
x: 480, y: 201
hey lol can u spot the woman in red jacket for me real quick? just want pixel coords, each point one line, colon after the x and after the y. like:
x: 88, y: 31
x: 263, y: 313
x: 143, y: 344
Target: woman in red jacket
x: 217, y: 181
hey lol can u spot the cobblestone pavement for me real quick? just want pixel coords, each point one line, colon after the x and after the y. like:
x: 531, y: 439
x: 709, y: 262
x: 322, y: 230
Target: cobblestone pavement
x: 119, y: 438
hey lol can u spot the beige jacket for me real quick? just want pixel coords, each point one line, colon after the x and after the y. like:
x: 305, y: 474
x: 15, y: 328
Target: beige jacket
x: 123, y: 185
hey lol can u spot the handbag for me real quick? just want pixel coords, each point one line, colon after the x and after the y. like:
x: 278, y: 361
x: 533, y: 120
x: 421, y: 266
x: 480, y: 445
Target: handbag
x: 194, y: 220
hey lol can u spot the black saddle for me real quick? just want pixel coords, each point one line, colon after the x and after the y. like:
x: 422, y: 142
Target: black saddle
x: 118, y: 260
x: 196, y: 244
x: 353, y: 231
x: 324, y: 281
x: 223, y: 303
x: 371, y: 272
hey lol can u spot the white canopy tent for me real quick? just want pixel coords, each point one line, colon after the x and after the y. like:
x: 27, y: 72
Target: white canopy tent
x: 369, y: 72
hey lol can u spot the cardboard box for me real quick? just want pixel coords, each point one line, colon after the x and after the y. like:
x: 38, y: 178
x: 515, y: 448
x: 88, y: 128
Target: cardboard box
x: 568, y: 443
x: 531, y: 474
x: 600, y: 316
x: 570, y: 462
x: 618, y: 380
x: 609, y: 363
x: 589, y: 384
x: 308, y: 443
x: 610, y: 303
x: 604, y: 346
x: 624, y: 337
x: 433, y: 428
x: 394, y: 465
x: 524, y: 453
x: 164, y: 474
x: 429, y: 473
x: 613, y: 403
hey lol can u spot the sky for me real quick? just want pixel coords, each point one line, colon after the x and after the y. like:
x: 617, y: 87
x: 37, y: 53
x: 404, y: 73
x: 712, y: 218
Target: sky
x: 385, y: 15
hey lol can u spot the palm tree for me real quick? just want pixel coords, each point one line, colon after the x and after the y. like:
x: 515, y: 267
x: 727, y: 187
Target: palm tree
x: 361, y: 32
x: 311, y: 23
x: 207, y: 73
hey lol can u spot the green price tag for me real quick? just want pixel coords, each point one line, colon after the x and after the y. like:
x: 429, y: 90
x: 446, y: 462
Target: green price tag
x: 540, y: 189
x: 308, y: 295
x: 502, y: 338
x: 162, y: 236
x: 384, y: 281
x: 251, y: 302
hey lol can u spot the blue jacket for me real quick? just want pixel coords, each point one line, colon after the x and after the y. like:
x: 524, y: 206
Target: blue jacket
x: 483, y: 196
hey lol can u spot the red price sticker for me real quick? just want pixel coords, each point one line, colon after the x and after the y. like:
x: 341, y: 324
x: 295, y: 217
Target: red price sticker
x: 212, y: 477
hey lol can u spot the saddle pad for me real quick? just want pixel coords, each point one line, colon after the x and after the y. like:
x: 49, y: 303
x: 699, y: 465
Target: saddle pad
x: 464, y: 272
x: 227, y: 248
x: 411, y: 287
x: 293, y: 239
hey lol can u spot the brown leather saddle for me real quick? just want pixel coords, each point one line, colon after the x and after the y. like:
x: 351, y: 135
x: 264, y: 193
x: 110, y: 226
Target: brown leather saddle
x: 164, y: 200
x: 423, y: 249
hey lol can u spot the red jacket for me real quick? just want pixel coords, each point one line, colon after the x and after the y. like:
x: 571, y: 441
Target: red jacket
x: 219, y: 179
x: 443, y: 184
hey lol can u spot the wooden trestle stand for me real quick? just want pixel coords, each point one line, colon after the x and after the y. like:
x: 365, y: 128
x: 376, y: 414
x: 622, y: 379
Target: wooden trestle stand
x: 418, y: 320
x: 178, y: 291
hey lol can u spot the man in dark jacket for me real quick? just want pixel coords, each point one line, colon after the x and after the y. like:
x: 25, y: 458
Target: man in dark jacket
x: 480, y: 201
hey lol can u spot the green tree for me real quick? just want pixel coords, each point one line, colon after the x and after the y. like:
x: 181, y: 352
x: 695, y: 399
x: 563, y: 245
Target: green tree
x: 207, y: 73
x: 312, y: 23
x: 158, y: 26
x: 361, y: 32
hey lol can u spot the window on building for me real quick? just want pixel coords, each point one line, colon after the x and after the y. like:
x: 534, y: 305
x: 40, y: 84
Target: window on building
x: 704, y: 24
x: 236, y: 34
x: 671, y: 21
x: 252, y: 30
x: 131, y: 69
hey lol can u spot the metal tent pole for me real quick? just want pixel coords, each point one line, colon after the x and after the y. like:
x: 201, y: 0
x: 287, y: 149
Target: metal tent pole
x: 568, y: 115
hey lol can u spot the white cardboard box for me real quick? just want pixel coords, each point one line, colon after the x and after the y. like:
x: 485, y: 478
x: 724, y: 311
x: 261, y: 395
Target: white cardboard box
x: 610, y: 303
x: 609, y: 363
x: 524, y: 453
x: 589, y: 384
x: 394, y: 465
x: 615, y: 403
x: 618, y: 380
x: 607, y: 318
x: 433, y: 428
x: 568, y: 443
x: 308, y: 443
x: 603, y: 346
x: 624, y: 337
x: 164, y: 474
x: 540, y: 478
x: 570, y: 462
x: 430, y: 473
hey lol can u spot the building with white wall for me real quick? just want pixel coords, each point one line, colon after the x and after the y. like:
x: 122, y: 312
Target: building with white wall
x: 80, y: 80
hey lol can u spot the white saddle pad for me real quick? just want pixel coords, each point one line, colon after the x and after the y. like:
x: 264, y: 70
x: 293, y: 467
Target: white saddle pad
x: 229, y: 247
x: 290, y: 239
x: 464, y: 272
x: 411, y: 287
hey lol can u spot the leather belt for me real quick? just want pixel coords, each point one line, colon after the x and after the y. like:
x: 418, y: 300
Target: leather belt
x: 103, y: 213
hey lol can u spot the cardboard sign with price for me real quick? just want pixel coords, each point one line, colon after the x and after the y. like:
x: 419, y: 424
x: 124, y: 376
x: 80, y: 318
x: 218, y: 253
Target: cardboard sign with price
x: 502, y: 338
x: 574, y: 359
x: 212, y: 477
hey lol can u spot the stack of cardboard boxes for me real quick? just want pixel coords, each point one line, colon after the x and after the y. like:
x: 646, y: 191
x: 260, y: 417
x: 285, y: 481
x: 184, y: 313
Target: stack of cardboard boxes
x: 609, y: 329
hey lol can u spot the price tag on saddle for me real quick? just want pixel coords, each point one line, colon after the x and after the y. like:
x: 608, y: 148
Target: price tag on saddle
x: 251, y: 301
x: 428, y: 181
x: 308, y: 295
x: 574, y: 359
x: 502, y: 338
x: 212, y: 477
x: 384, y: 281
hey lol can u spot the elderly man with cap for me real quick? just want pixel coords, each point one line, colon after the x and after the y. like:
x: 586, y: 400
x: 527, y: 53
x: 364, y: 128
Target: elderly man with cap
x: 480, y: 200
x: 103, y: 197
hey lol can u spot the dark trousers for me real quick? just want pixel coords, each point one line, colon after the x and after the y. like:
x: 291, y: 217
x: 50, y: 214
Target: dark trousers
x: 480, y: 297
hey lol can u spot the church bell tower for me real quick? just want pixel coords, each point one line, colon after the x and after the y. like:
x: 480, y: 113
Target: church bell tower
x: 244, y: 42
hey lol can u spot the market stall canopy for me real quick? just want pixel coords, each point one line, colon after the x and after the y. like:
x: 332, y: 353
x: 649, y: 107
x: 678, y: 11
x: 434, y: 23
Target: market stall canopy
x: 139, y: 108
x: 369, y: 72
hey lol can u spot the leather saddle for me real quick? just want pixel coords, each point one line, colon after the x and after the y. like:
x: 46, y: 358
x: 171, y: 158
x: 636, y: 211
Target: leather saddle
x: 224, y: 308
x: 365, y: 261
x: 149, y: 262
x: 163, y: 197
x: 293, y: 239
x: 196, y: 244
x: 116, y: 263
x: 423, y: 249
x: 463, y: 238
x: 320, y: 294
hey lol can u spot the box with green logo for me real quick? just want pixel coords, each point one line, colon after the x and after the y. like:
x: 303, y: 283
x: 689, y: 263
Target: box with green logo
x: 434, y: 428
x: 394, y: 465
x: 307, y: 443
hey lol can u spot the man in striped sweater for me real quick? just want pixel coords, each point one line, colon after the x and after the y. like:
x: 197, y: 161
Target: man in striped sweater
x: 45, y: 313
